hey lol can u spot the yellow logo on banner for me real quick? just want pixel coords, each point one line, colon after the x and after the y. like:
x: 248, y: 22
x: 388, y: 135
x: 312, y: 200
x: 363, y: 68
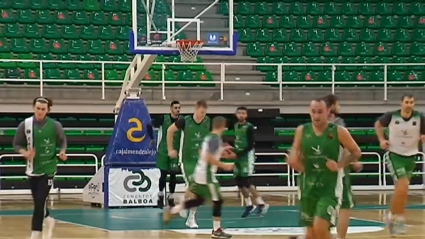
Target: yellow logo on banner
x: 138, y: 128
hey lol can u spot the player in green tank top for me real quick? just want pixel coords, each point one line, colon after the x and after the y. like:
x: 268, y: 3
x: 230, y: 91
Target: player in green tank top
x: 406, y: 131
x: 244, y: 164
x: 36, y: 139
x: 167, y: 165
x: 332, y: 102
x: 193, y: 130
x: 317, y: 152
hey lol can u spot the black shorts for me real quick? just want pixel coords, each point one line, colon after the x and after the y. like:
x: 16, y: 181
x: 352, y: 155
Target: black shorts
x: 243, y: 182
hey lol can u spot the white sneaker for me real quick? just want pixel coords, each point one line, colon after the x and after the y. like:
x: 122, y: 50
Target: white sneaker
x: 50, y: 224
x: 35, y: 235
x: 191, y: 223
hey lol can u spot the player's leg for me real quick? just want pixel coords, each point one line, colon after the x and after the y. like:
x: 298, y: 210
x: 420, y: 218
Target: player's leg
x: 162, y: 163
x: 307, y: 211
x: 243, y: 186
x: 40, y: 188
x: 262, y: 207
x: 200, y: 192
x: 344, y: 211
x: 401, y: 169
x: 217, y: 199
x: 325, y: 217
x: 187, y: 171
x: 174, y: 168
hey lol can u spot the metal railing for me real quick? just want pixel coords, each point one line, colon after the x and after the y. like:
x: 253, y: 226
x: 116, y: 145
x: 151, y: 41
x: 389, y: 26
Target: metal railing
x: 332, y: 83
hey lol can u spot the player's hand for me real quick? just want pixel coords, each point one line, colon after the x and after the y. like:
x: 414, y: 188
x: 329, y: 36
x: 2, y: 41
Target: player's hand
x: 384, y: 144
x: 29, y: 154
x: 357, y: 166
x: 62, y: 156
x: 332, y: 165
x: 228, y: 154
x: 228, y: 167
x: 423, y: 138
x: 172, y: 153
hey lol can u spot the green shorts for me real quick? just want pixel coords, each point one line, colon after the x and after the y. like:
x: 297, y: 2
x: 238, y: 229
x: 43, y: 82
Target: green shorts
x: 187, y: 170
x: 325, y: 207
x: 244, y: 166
x: 206, y: 191
x: 400, y: 166
x: 164, y: 162
x: 347, y: 194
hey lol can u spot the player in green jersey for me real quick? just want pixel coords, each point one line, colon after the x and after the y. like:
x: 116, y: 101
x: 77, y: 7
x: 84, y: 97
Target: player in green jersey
x: 36, y: 139
x: 193, y: 129
x: 167, y: 165
x: 406, y: 129
x: 244, y: 164
x: 332, y: 102
x: 317, y: 152
x: 205, y: 185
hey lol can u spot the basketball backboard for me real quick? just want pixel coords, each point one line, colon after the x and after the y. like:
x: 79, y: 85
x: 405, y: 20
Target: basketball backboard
x: 156, y: 24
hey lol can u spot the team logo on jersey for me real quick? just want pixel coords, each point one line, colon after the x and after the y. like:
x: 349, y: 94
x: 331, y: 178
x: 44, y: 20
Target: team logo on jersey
x: 317, y: 150
x: 397, y: 122
x: 330, y: 136
x: 414, y: 123
x: 404, y: 132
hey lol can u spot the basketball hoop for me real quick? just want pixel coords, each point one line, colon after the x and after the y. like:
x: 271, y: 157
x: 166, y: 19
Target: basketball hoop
x: 189, y: 49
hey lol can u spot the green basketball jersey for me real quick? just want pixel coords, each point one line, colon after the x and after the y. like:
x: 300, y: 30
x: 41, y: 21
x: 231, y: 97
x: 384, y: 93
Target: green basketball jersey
x: 44, y: 143
x: 162, y: 136
x: 316, y: 150
x: 241, y: 141
x: 191, y: 138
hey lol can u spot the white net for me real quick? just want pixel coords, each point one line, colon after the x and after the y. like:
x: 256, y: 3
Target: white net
x: 189, y: 49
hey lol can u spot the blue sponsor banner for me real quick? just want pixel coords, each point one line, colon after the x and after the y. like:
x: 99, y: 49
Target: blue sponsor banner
x: 213, y: 39
x: 130, y: 143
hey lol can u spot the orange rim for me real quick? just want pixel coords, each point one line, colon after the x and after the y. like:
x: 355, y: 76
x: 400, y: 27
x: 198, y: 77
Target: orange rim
x: 188, y: 43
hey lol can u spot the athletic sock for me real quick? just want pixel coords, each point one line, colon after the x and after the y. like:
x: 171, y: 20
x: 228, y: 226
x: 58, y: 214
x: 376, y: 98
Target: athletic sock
x: 216, y: 225
x: 170, y: 196
x: 192, y: 215
x: 176, y: 209
x: 259, y: 201
x: 35, y: 234
x: 399, y: 218
x: 248, y: 202
x: 161, y: 193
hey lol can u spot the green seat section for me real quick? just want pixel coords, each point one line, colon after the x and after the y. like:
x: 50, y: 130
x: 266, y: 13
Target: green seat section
x: 7, y: 16
x: 19, y: 45
x: 7, y: 64
x: 31, y: 31
x: 57, y: 46
x: 39, y: 46
x: 76, y: 47
x: 24, y: 16
x: 69, y: 32
x: 12, y: 30
x: 51, y: 32
x: 27, y: 64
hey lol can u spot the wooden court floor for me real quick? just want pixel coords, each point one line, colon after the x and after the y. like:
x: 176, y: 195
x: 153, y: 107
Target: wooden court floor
x: 79, y: 220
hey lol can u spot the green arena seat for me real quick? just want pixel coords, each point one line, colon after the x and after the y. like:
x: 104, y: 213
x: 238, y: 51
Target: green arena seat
x: 43, y: 17
x: 125, y: 6
x: 31, y: 31
x: 253, y: 21
x: 332, y: 35
x: 12, y: 30
x: 287, y: 22
x: 385, y: 35
x: 338, y: 21
x: 73, y: 5
x: 46, y: 57
x: 69, y: 32
x: 98, y: 18
x: 108, y: 6
x: 279, y: 35
x: 121, y: 58
x: 76, y: 47
x: 417, y: 49
x: 72, y: 74
x: 26, y: 64
x: 261, y: 8
x: 112, y: 75
x: 350, y: 35
x: 279, y: 8
x: 313, y: 8
x: 296, y: 8
x: 80, y: 18
x: 20, y: 4
x: 84, y: 65
x: 346, y: 49
x: 304, y: 22
x: 95, y: 47
x: 65, y: 57
x: 24, y: 16
x: 388, y: 22
x: 88, y: 33
x: 51, y: 32
x: 7, y: 16
x: 62, y: 18
x: 57, y: 46
x: 32, y: 74
x: 116, y: 19
x: 7, y: 64
x: 106, y: 33
x: 122, y: 32
x: 309, y: 49
x: 244, y: 8
x: 19, y: 45
x: 298, y: 35
x: 38, y: 4
x: 91, y: 75
x: 321, y: 22
x: 270, y: 21
x: 113, y: 48
x: 91, y: 5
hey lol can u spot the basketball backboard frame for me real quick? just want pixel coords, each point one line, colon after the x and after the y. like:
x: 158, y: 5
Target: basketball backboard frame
x: 165, y: 49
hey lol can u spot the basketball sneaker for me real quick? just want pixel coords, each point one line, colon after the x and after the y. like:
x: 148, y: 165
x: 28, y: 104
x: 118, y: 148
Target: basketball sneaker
x: 248, y: 210
x: 191, y: 223
x: 262, y: 209
x: 50, y: 224
x: 219, y: 233
x: 160, y: 201
x: 171, y: 202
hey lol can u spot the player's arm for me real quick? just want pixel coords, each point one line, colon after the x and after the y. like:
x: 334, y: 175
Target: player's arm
x: 60, y: 136
x: 422, y: 128
x: 348, y: 143
x: 382, y: 123
x: 20, y: 139
x: 295, y: 157
x: 154, y: 123
x: 178, y: 125
x: 212, y: 148
x: 250, y: 142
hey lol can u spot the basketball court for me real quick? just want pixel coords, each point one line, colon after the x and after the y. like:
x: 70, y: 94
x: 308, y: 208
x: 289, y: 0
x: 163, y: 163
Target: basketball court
x: 78, y: 220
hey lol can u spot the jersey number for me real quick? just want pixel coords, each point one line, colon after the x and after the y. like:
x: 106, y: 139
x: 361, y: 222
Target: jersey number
x: 49, y: 182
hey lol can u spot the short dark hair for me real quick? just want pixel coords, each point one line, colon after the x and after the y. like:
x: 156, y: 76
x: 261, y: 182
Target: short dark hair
x: 174, y: 102
x: 242, y: 108
x: 409, y: 96
x: 218, y: 122
x: 43, y: 100
x: 330, y: 100
x: 201, y: 104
